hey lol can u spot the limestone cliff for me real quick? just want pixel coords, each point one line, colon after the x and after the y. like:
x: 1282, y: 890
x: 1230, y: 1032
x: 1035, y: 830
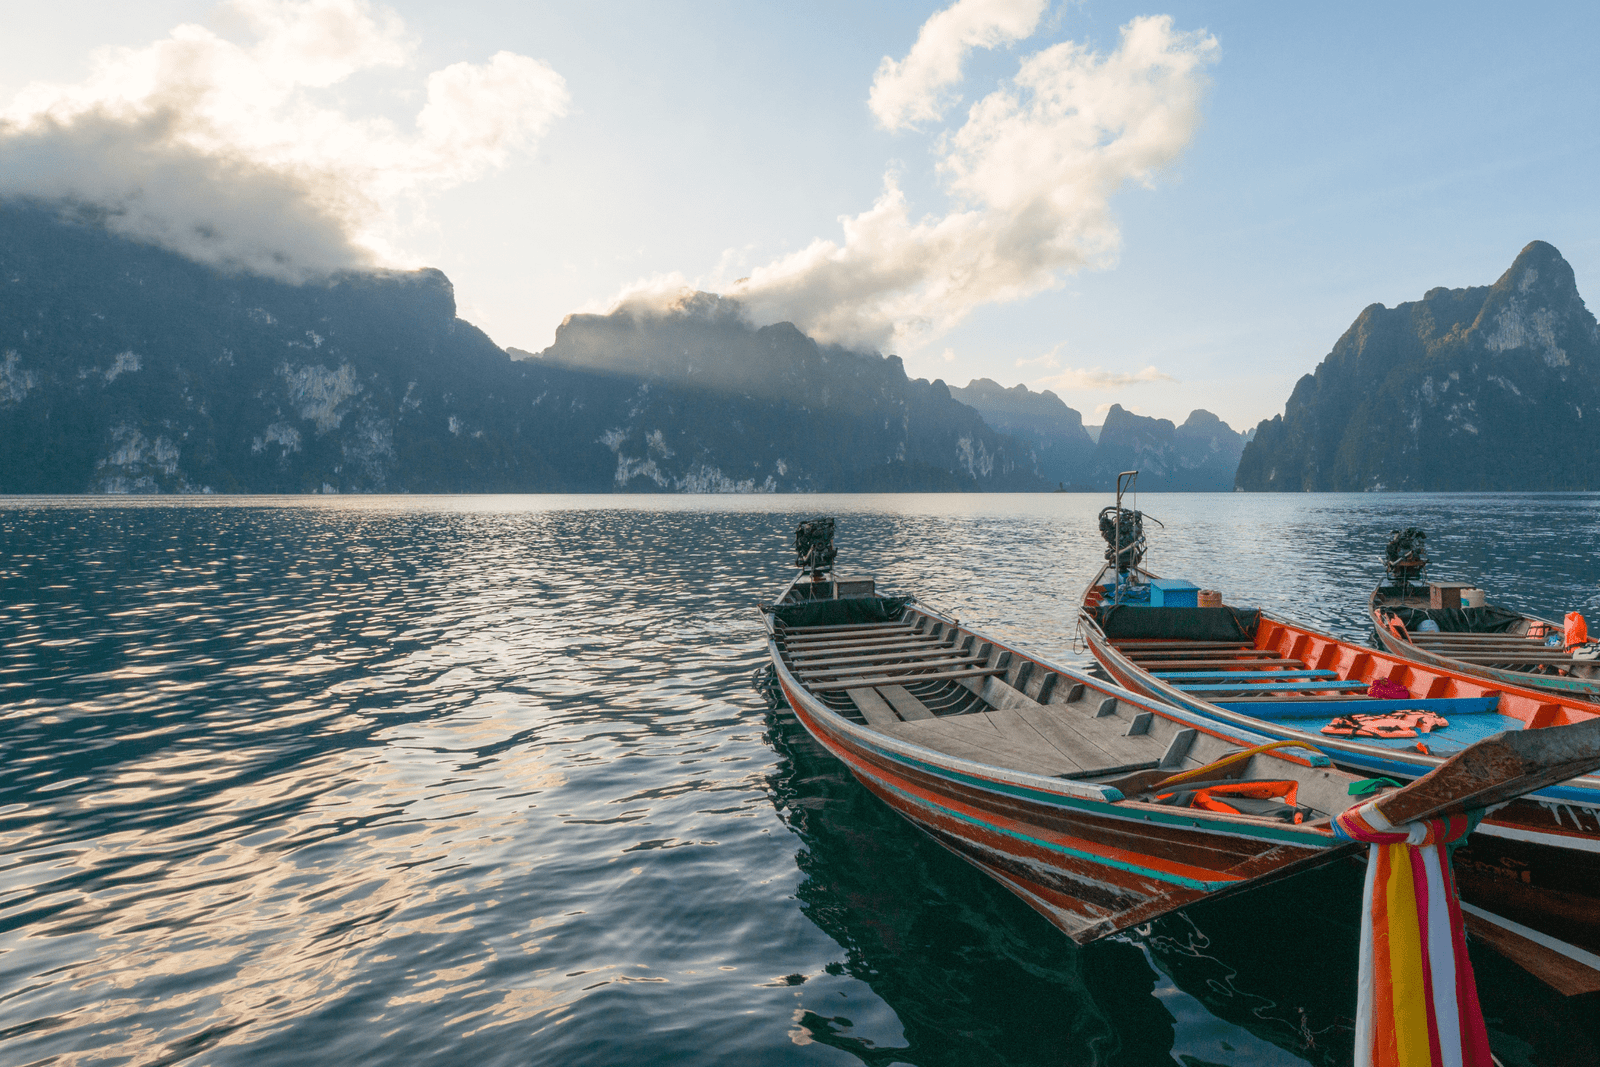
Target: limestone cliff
x: 1199, y: 456
x: 125, y: 368
x: 1487, y: 388
x: 1061, y: 446
x: 712, y: 399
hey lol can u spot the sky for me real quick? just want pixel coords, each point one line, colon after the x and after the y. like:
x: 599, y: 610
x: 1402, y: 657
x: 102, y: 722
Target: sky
x: 1168, y: 207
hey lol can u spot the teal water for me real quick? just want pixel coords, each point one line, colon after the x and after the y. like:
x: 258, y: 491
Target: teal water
x: 485, y: 781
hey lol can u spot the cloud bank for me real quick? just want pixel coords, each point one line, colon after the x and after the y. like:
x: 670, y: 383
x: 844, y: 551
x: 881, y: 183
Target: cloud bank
x: 1087, y: 378
x: 914, y: 89
x: 1030, y: 174
x: 224, y: 152
x: 1096, y: 378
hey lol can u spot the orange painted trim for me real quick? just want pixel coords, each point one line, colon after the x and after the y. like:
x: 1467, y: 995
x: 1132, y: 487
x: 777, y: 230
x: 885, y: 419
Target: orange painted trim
x: 1357, y: 664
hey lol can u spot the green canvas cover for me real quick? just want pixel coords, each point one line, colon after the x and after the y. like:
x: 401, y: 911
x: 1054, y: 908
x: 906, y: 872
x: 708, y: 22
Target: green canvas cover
x: 850, y: 610
x: 1190, y: 624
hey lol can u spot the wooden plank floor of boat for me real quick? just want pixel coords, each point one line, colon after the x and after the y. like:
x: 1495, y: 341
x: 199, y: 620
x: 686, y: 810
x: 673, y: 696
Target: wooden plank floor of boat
x: 873, y: 707
x: 1052, y: 740
x: 905, y: 705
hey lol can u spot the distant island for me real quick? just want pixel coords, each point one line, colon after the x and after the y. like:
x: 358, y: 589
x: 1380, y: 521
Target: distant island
x: 128, y: 369
x: 1488, y: 388
x: 1199, y: 456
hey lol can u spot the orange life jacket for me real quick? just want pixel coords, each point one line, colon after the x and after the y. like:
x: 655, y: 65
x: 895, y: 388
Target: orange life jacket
x: 1577, y: 630
x: 1392, y: 724
x: 1279, y: 799
x: 1213, y: 798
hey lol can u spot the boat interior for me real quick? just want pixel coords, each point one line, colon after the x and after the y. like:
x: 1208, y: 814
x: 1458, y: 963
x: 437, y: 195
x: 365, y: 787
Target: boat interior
x: 1483, y: 635
x: 1250, y: 663
x: 919, y: 678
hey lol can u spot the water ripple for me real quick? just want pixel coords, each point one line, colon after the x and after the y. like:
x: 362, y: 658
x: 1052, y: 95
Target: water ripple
x: 482, y: 780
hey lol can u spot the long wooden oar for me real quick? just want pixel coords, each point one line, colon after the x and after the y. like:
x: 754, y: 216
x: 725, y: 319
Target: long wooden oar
x: 1498, y: 768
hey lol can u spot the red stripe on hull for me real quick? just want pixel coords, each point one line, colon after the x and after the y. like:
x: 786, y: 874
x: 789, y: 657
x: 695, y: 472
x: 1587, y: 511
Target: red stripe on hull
x: 1064, y: 861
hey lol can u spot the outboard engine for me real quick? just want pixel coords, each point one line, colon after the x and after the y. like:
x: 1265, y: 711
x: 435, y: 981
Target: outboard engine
x: 813, y: 547
x: 1406, y: 554
x: 1123, y: 529
x: 1124, y: 534
x: 1405, y: 557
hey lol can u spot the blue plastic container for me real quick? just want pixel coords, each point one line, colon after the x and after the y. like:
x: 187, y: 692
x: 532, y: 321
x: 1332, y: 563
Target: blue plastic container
x: 1173, y: 593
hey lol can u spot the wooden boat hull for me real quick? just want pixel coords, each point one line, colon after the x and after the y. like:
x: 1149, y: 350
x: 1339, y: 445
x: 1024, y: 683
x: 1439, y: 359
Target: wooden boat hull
x: 1574, y: 685
x: 1088, y: 869
x: 1086, y: 858
x: 1529, y: 875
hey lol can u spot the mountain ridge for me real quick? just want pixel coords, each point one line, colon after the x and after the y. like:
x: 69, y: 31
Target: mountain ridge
x: 1201, y: 455
x: 866, y: 424
x: 1482, y: 388
x: 127, y: 368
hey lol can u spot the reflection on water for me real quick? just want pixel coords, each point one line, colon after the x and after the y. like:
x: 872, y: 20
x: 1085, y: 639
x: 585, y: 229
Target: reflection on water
x: 1298, y: 994
x: 483, y: 781
x: 974, y: 976
x: 971, y: 974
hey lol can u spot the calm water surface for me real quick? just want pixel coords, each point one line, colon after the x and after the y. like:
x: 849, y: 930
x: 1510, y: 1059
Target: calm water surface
x: 485, y: 781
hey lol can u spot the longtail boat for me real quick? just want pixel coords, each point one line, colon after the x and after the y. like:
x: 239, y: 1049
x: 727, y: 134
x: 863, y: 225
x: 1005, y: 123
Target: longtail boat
x: 1530, y: 874
x: 1099, y: 808
x: 1431, y: 623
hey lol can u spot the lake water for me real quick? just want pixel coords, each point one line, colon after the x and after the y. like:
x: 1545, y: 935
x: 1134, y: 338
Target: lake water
x: 486, y: 781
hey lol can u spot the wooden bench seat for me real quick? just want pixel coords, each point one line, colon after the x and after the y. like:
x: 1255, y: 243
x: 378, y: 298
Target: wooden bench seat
x: 907, y: 655
x: 1157, y: 645
x: 1214, y: 663
x: 1489, y: 659
x: 887, y: 646
x: 1202, y: 653
x: 1242, y: 676
x: 897, y: 634
x: 856, y: 626
x: 808, y: 674
x: 1266, y: 687
x: 838, y: 684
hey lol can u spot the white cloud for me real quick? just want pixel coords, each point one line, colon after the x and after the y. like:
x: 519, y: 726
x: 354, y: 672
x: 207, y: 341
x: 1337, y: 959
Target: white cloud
x: 1047, y: 361
x: 1096, y: 378
x: 222, y: 152
x: 914, y: 89
x: 1031, y: 174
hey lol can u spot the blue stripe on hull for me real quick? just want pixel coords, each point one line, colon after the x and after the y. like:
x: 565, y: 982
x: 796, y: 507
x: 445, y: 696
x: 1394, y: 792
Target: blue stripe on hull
x: 1051, y: 846
x: 1302, y: 709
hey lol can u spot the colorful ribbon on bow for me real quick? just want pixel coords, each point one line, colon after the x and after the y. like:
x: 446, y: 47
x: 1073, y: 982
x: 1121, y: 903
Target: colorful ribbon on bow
x: 1416, y: 1002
